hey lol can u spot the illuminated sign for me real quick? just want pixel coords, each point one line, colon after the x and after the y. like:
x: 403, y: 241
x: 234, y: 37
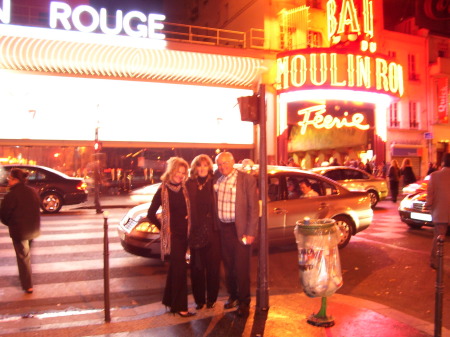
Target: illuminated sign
x: 344, y: 21
x: 320, y: 120
x: 318, y: 69
x: 87, y: 19
x: 442, y: 95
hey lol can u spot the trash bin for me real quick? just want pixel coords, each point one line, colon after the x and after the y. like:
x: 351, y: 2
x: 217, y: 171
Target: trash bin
x: 319, y: 263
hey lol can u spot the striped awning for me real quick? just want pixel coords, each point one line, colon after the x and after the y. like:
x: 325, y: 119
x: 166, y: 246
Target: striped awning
x: 72, y: 53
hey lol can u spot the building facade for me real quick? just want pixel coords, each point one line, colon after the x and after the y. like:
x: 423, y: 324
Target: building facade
x: 338, y: 85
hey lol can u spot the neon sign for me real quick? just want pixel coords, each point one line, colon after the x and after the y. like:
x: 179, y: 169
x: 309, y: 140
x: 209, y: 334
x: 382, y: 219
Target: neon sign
x: 320, y: 120
x: 87, y: 19
x: 309, y: 70
x: 344, y: 22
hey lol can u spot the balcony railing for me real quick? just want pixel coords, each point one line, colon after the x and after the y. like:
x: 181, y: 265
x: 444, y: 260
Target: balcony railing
x: 34, y: 16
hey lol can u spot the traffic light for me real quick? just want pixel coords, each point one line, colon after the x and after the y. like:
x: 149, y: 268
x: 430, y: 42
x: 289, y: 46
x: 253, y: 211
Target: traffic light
x: 97, y: 146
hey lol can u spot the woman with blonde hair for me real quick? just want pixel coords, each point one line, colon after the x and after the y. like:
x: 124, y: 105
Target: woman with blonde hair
x: 204, y: 239
x: 174, y: 226
x: 394, y: 178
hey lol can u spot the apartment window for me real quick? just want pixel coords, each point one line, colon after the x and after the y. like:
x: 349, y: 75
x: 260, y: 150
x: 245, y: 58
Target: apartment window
x: 412, y: 72
x: 413, y: 117
x: 314, y: 39
x: 393, y: 116
x: 392, y: 54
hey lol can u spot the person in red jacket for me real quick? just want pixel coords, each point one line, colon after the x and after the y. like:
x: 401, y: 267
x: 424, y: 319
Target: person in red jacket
x: 20, y: 212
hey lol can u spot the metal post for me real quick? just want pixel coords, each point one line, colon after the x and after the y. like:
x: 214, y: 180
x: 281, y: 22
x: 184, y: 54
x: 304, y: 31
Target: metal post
x: 439, y: 286
x: 106, y: 267
x: 98, y: 207
x: 262, y: 298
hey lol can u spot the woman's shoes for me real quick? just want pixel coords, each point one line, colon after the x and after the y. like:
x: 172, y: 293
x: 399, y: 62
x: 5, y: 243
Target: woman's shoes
x: 29, y: 290
x: 199, y: 306
x: 184, y: 313
x: 210, y: 305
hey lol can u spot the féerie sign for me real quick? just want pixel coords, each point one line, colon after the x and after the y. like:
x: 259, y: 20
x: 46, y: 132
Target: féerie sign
x: 87, y: 19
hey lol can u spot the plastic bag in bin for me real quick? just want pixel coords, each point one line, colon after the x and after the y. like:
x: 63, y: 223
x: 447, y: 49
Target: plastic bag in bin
x: 318, y: 256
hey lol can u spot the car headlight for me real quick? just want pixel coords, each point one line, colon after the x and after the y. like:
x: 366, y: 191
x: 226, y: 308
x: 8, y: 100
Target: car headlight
x: 147, y: 227
x: 406, y: 203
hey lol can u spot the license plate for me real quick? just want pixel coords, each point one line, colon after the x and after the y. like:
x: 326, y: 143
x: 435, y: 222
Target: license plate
x: 421, y: 216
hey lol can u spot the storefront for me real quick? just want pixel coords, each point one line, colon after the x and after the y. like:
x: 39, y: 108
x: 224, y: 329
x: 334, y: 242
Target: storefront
x: 333, y: 101
x: 72, y: 80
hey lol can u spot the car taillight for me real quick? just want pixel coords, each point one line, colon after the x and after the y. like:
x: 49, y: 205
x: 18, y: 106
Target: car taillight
x: 147, y: 227
x: 82, y: 186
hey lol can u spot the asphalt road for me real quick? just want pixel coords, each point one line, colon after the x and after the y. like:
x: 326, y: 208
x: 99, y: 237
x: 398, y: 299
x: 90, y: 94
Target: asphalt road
x: 387, y: 263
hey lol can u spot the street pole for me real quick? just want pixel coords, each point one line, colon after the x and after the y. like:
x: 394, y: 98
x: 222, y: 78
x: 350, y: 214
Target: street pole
x: 106, y: 268
x: 262, y: 296
x: 439, y: 287
x: 98, y: 207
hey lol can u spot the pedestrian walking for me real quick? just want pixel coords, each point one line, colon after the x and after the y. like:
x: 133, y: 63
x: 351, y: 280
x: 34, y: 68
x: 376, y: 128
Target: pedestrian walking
x: 407, y: 172
x: 237, y: 208
x: 204, y: 239
x: 394, y: 179
x: 20, y: 211
x: 438, y: 201
x: 174, y: 226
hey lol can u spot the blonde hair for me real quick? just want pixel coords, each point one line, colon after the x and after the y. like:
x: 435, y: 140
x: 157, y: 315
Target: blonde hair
x: 197, y: 161
x: 173, y: 164
x: 394, y: 163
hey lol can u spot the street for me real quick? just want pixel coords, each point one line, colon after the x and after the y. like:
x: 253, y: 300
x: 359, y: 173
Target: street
x: 387, y: 264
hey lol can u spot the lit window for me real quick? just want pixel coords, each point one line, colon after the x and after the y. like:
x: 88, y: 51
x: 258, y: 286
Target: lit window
x: 393, y: 116
x: 413, y: 118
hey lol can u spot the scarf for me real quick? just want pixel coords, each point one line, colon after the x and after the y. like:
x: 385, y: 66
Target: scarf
x: 165, y: 214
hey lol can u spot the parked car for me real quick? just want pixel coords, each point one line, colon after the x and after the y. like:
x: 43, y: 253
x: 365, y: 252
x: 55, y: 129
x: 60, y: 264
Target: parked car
x: 412, y: 211
x: 350, y: 209
x: 418, y: 186
x: 356, y: 180
x: 56, y: 189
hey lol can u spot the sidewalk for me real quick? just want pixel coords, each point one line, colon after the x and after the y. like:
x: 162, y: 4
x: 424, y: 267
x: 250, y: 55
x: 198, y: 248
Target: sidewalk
x: 287, y: 316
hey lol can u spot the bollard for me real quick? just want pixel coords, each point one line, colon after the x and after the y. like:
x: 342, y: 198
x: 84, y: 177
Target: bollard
x: 439, y: 287
x: 106, y: 267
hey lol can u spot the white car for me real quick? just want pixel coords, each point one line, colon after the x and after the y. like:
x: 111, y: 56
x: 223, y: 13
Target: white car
x: 356, y: 180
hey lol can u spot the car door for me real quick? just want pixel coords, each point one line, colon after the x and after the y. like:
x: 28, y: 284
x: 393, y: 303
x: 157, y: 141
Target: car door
x: 355, y: 180
x: 286, y: 211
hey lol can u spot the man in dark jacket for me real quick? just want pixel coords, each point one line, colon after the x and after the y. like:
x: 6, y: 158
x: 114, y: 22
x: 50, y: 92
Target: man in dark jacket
x: 20, y: 212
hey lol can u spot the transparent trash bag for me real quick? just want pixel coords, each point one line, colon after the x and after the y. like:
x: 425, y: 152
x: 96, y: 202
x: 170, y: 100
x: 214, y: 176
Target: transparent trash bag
x: 318, y: 256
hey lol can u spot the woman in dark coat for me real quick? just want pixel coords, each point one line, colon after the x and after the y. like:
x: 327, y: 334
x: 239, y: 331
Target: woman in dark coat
x: 394, y: 178
x: 20, y: 212
x: 174, y: 225
x: 204, y: 239
x: 407, y: 172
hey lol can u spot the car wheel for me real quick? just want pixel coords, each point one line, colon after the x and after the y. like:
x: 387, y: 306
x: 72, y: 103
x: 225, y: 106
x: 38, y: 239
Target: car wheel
x: 51, y: 202
x: 345, y: 226
x: 373, y: 195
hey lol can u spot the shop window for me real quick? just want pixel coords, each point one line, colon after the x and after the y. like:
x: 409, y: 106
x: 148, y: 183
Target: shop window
x: 413, y: 118
x: 393, y: 116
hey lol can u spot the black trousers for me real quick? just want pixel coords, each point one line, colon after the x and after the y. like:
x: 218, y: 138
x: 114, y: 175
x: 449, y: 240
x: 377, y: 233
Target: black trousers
x: 236, y: 261
x: 23, y: 256
x: 176, y: 292
x: 205, y: 272
x: 393, y: 186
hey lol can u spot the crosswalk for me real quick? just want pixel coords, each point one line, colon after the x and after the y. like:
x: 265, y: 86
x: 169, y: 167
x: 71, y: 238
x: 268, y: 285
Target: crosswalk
x: 67, y: 263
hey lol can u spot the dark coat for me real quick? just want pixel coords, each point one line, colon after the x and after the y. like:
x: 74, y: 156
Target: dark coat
x: 20, y: 212
x: 203, y: 214
x: 408, y: 175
